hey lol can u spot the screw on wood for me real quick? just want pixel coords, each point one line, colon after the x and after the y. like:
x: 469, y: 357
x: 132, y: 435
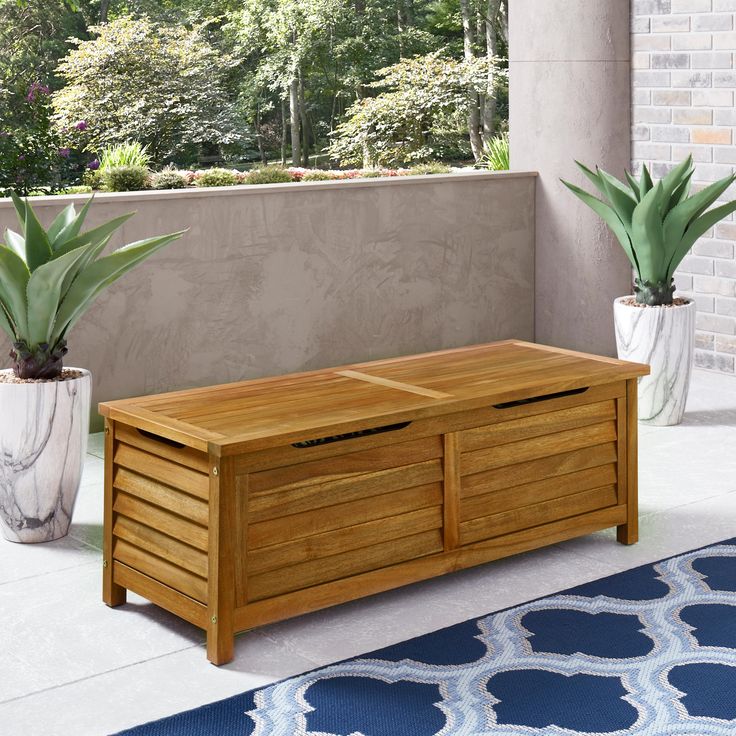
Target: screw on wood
x: 214, y: 619
x: 104, y: 563
x: 215, y: 471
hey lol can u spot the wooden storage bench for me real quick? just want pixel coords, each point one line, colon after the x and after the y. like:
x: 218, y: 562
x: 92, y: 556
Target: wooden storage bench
x: 247, y: 503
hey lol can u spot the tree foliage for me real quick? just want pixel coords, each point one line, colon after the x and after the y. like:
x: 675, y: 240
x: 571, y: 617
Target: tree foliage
x: 136, y: 80
x: 419, y: 115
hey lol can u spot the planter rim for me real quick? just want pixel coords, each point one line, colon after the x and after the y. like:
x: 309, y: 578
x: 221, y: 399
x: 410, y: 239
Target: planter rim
x: 44, y: 381
x: 619, y: 300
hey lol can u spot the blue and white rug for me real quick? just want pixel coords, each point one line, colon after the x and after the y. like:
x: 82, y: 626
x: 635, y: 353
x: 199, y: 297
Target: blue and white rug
x: 646, y: 652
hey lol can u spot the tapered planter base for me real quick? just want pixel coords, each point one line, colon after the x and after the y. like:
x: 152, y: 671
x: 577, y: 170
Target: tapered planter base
x: 43, y: 440
x: 663, y: 337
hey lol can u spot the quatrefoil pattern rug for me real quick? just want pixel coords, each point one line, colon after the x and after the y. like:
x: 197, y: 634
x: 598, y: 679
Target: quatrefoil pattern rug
x: 646, y: 652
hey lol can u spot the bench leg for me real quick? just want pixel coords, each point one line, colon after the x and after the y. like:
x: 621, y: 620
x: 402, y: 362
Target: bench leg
x: 628, y: 533
x: 220, y: 642
x: 112, y: 593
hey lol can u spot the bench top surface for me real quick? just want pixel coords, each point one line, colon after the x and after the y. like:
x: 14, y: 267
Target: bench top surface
x: 314, y: 404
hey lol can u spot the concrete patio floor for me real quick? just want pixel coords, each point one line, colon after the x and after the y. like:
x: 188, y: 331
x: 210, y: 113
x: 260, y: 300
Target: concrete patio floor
x: 73, y: 667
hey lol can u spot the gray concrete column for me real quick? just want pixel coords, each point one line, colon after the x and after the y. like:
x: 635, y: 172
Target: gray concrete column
x: 570, y: 99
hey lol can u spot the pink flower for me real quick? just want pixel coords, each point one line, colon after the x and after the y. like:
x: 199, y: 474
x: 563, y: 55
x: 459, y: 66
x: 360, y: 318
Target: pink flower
x: 93, y: 165
x: 81, y: 125
x: 35, y: 90
x: 64, y: 152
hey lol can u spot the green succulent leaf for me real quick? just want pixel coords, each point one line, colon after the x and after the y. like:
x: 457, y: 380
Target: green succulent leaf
x: 646, y: 183
x: 95, y: 235
x: 16, y: 242
x: 621, y: 201
x: 647, y: 234
x: 593, y: 176
x: 679, y: 217
x: 38, y: 248
x: 102, y: 273
x: 634, y: 186
x: 681, y: 192
x: 6, y: 325
x: 62, y: 220
x: 697, y: 228
x: 609, y: 216
x: 44, y: 292
x: 14, y: 277
x: 20, y: 209
x: 675, y: 177
x: 73, y: 228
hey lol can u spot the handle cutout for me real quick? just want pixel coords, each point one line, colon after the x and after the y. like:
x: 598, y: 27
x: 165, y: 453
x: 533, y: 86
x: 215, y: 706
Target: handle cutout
x: 543, y: 397
x: 162, y: 440
x: 350, y: 435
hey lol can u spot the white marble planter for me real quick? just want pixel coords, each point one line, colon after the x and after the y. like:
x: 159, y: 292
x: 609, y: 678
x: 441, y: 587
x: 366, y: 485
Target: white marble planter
x: 43, y: 440
x: 662, y: 337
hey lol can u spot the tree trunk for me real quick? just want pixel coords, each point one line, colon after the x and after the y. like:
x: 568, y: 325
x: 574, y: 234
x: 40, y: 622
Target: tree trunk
x: 104, y: 10
x: 283, y: 131
x: 296, y: 146
x: 476, y: 142
x: 409, y: 14
x: 259, y: 135
x: 303, y: 123
x: 489, y: 106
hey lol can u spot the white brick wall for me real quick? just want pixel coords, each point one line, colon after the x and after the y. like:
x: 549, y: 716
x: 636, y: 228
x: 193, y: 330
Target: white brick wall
x: 684, y: 90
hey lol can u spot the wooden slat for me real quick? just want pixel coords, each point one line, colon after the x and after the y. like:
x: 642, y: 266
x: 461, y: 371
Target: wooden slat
x: 170, y: 524
x: 541, y: 513
x: 537, y: 491
x: 223, y: 547
x: 628, y: 533
x: 537, y: 425
x: 113, y: 594
x: 400, y: 386
x: 451, y: 490
x: 161, y: 545
x: 537, y: 447
x: 171, y: 600
x: 345, y: 564
x: 346, y: 466
x: 161, y: 495
x: 534, y: 470
x: 274, y: 503
x: 285, y: 454
x: 343, y: 515
x: 165, y: 471
x: 344, y: 540
x: 194, y: 459
x: 292, y: 604
x: 158, y: 569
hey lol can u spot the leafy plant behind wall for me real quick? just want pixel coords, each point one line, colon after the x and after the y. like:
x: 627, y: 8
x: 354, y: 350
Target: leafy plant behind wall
x: 48, y: 279
x: 656, y: 223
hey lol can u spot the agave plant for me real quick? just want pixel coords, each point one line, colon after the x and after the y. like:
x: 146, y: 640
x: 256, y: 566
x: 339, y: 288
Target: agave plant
x: 656, y: 223
x: 48, y: 278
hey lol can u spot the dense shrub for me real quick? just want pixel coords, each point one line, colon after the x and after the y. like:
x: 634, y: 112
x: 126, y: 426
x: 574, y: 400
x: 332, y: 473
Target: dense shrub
x: 169, y: 179
x: 129, y: 153
x: 318, y: 175
x: 216, y: 178
x: 79, y: 189
x: 92, y: 178
x: 135, y: 79
x: 269, y: 175
x: 434, y: 167
x: 496, y: 153
x: 125, y: 178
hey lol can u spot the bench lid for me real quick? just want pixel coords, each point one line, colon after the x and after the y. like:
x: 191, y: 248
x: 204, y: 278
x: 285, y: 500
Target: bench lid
x: 263, y: 412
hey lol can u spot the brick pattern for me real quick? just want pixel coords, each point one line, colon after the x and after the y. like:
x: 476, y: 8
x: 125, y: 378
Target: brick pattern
x: 684, y: 89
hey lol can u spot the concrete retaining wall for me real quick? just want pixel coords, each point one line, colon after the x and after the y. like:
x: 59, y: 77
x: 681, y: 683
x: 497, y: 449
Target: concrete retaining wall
x: 278, y: 278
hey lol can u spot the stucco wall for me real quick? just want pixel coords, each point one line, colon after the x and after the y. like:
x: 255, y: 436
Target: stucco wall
x: 280, y: 278
x: 569, y: 98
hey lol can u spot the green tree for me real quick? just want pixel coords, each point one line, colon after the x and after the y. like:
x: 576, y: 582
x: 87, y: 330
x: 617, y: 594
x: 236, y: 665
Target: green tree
x: 420, y: 114
x: 136, y: 80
